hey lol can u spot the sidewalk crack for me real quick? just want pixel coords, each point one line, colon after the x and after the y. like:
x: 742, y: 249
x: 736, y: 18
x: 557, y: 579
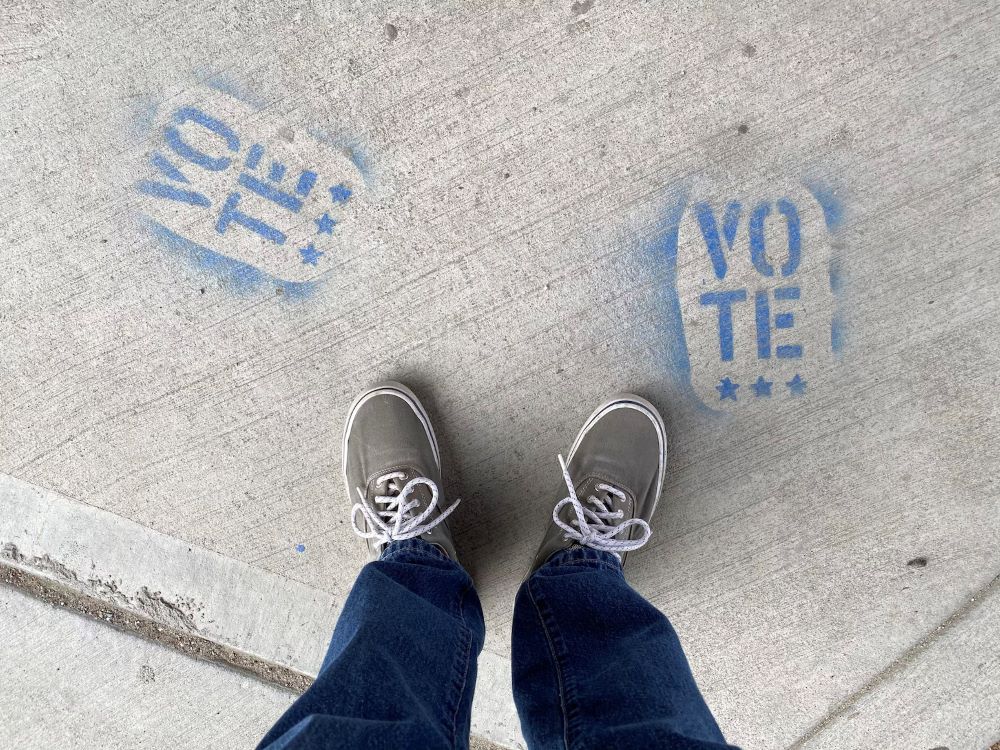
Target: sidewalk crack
x: 908, y: 657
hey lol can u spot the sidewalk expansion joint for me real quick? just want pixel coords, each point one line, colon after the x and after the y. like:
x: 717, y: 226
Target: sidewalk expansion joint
x: 183, y: 639
x: 908, y: 657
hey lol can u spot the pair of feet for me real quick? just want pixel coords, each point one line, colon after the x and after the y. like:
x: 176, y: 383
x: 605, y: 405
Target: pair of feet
x: 613, y: 476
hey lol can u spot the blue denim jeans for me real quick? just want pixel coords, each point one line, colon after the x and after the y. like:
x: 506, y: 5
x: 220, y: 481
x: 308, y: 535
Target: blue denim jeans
x: 594, y: 664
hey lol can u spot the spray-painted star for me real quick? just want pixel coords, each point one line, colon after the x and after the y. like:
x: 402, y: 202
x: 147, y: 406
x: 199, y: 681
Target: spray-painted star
x: 340, y: 193
x: 761, y: 387
x: 310, y: 254
x: 797, y: 385
x: 727, y: 389
x: 325, y: 224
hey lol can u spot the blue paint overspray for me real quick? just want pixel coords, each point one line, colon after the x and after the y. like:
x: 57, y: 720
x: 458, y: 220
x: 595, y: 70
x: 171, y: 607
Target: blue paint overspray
x: 718, y: 231
x: 834, y: 215
x: 226, y: 84
x: 349, y: 146
x: 241, y: 278
x: 143, y: 116
x: 187, y: 211
x: 659, y: 250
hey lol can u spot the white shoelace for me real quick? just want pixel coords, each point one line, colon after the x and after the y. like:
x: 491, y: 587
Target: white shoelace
x: 395, y: 520
x: 591, y: 528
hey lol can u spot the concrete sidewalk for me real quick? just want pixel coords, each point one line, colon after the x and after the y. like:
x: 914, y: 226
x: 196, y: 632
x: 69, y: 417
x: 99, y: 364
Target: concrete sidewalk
x: 187, y: 598
x: 72, y: 682
x: 220, y: 222
x: 271, y: 634
x: 107, y: 688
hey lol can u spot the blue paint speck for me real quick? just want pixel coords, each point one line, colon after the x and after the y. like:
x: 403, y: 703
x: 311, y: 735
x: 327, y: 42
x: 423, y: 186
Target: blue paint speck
x: 300, y: 548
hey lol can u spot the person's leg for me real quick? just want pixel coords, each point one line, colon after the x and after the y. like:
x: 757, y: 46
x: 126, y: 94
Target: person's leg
x: 597, y: 666
x: 401, y: 667
x: 594, y: 664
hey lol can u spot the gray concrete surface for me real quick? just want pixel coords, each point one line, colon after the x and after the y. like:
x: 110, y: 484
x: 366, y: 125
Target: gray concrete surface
x: 521, y: 238
x: 73, y: 682
x: 189, y: 598
x: 936, y: 694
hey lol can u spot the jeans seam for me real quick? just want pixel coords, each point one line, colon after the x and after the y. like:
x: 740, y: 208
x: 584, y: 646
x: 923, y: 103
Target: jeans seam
x: 560, y: 678
x: 414, y: 552
x: 460, y: 668
x: 593, y: 564
x: 466, y: 652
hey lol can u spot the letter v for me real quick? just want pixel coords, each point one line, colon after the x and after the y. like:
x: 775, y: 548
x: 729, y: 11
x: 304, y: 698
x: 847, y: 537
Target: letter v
x: 710, y: 231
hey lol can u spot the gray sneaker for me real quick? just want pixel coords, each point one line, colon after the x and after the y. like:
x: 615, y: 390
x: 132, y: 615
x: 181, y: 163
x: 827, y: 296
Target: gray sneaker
x: 392, y: 468
x: 614, y: 475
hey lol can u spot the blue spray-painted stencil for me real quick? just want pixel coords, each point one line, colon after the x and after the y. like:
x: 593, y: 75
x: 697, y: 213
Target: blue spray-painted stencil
x: 797, y: 385
x: 762, y: 387
x: 750, y: 285
x: 245, y: 207
x: 834, y: 216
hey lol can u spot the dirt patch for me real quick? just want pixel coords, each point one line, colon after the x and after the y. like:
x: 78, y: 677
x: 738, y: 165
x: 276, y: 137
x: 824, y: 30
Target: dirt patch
x: 151, y: 604
x: 147, y: 614
x: 167, y: 632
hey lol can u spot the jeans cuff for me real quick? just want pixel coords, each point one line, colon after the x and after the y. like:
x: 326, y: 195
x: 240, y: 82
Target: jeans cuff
x: 576, y: 555
x: 404, y: 549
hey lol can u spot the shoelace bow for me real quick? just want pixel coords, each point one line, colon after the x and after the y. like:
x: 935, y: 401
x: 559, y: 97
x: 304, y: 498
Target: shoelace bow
x: 592, y: 528
x: 395, y: 520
